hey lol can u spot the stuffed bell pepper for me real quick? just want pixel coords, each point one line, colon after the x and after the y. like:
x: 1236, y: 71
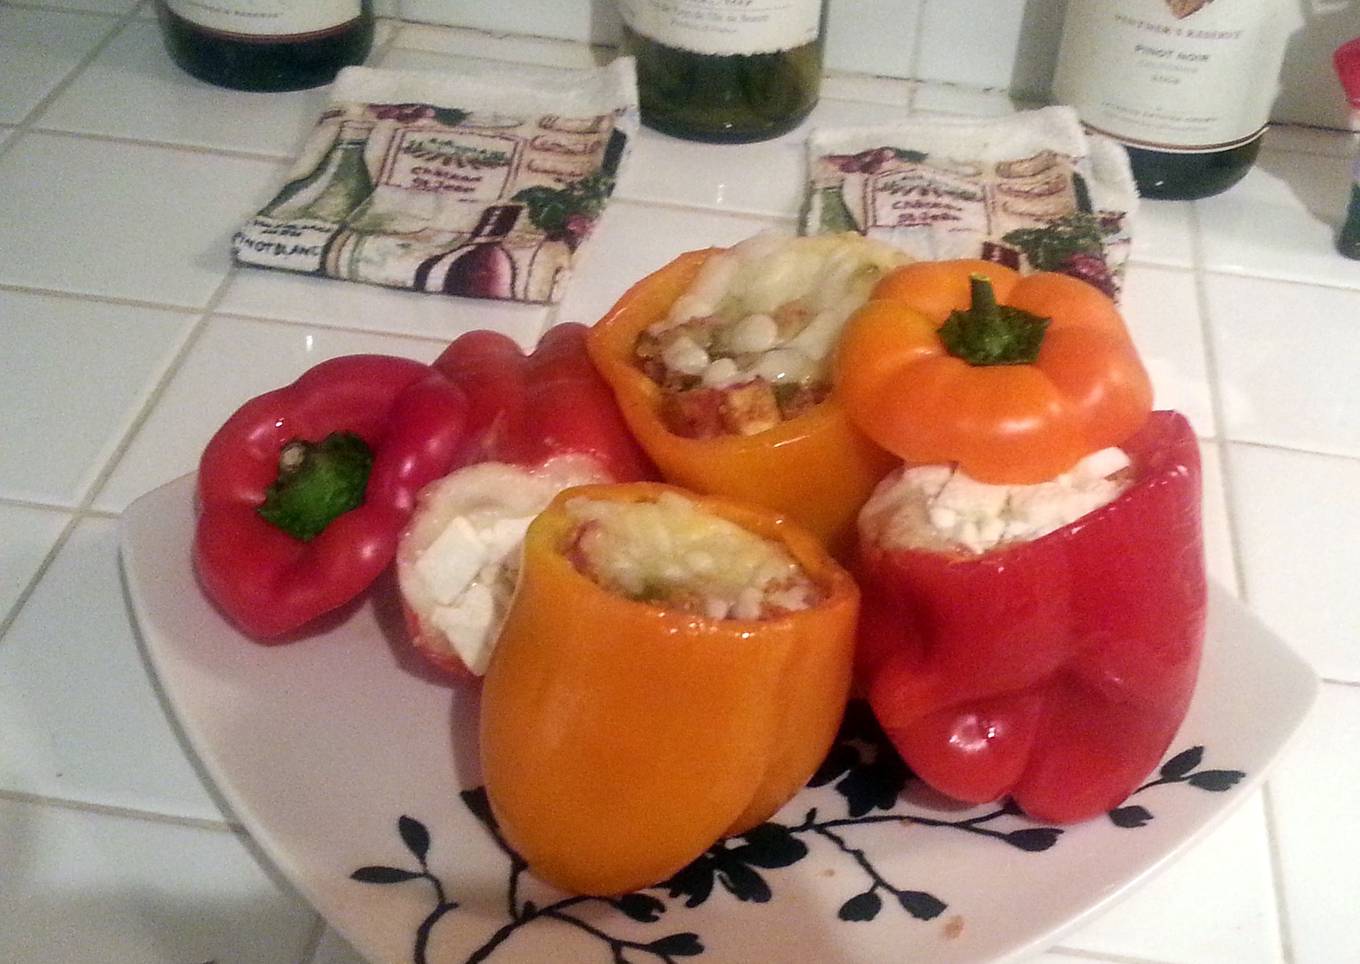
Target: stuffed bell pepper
x: 673, y: 668
x: 537, y: 424
x: 721, y: 362
x: 303, y: 492
x: 1033, y: 574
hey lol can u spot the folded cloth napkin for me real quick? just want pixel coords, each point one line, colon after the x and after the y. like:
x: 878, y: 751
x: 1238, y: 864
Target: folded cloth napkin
x: 482, y: 184
x: 1031, y: 190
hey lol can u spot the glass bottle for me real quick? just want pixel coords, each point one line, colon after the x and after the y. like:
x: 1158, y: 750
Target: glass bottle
x: 266, y: 44
x: 725, y: 73
x: 1185, y: 85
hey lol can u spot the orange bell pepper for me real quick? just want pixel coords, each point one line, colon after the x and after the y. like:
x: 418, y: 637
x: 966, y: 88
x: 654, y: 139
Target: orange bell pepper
x: 620, y: 739
x: 1015, y: 390
x: 817, y: 468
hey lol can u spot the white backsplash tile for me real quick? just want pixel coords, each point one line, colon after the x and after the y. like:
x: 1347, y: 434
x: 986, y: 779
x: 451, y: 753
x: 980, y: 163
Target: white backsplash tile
x: 1297, y: 517
x: 874, y: 36
x: 80, y: 718
x: 91, y: 368
x: 38, y: 48
x: 1161, y: 308
x: 96, y: 6
x: 198, y: 399
x: 964, y: 101
x: 459, y: 45
x: 27, y: 535
x: 1281, y: 221
x: 1312, y: 140
x: 1314, y: 795
x: 1280, y: 388
x: 81, y: 887
x: 133, y: 90
x: 971, y: 42
x: 1215, y: 903
x: 596, y: 21
x: 138, y: 224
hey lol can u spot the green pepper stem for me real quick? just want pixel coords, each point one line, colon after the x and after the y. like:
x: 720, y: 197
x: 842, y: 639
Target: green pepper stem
x: 317, y: 483
x: 987, y: 333
x: 983, y: 296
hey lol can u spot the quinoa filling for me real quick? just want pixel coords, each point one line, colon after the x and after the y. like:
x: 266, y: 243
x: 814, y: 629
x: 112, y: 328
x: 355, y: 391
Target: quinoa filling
x: 748, y: 345
x: 675, y: 555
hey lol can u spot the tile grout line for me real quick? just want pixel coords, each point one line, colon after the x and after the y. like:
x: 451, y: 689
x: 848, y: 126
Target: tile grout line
x: 914, y: 58
x: 118, y: 300
x: 13, y: 503
x: 117, y: 22
x: 82, y: 509
x: 1216, y: 404
x: 1102, y: 958
x: 181, y: 146
x: 126, y: 813
x: 1207, y: 331
x: 1277, y: 871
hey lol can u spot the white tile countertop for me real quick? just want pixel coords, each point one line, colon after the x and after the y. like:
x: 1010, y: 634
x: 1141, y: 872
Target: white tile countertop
x: 128, y: 336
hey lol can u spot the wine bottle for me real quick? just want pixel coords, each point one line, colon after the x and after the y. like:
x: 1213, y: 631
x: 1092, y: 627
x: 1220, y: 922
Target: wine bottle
x: 725, y: 73
x: 266, y: 44
x: 1185, y: 85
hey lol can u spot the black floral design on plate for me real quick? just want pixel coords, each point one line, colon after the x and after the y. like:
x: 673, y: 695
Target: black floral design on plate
x: 863, y: 769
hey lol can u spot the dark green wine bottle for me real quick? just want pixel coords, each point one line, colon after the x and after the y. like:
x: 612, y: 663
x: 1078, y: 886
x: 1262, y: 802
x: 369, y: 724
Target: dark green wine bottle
x: 1186, y: 85
x: 1164, y: 175
x: 725, y: 73
x: 271, y: 45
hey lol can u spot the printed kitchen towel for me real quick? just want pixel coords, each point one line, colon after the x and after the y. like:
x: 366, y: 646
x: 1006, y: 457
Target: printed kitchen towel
x: 1031, y: 190
x: 482, y: 184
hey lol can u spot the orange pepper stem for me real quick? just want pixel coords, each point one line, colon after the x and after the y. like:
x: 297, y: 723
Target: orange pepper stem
x: 987, y: 333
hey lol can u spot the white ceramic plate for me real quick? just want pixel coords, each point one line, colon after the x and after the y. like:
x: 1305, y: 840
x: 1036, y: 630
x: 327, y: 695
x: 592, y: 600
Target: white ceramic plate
x: 358, y: 775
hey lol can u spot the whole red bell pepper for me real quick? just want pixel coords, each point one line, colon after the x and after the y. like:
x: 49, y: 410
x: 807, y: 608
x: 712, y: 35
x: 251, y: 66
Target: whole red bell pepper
x: 527, y: 408
x: 303, y: 492
x: 537, y: 423
x: 1058, y: 670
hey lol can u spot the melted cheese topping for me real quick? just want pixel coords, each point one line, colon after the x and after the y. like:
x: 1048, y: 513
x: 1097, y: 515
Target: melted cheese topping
x: 771, y: 307
x: 674, y: 553
x: 939, y: 507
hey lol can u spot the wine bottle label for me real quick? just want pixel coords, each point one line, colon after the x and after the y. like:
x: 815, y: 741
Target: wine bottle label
x: 1172, y: 75
x: 266, y: 18
x: 725, y: 27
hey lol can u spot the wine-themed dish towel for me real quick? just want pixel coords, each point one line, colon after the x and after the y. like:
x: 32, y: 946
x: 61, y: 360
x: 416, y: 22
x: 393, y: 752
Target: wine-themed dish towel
x: 1031, y: 190
x: 480, y: 184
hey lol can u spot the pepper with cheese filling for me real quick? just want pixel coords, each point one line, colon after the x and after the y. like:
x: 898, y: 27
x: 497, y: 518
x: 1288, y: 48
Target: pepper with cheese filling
x: 807, y: 461
x: 672, y: 669
x: 1040, y: 641
x: 748, y: 344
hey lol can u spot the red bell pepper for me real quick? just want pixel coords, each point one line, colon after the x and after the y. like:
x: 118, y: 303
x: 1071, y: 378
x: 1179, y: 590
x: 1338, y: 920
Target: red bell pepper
x: 537, y: 423
x: 527, y: 408
x: 303, y: 492
x: 1058, y: 670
